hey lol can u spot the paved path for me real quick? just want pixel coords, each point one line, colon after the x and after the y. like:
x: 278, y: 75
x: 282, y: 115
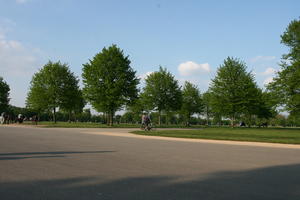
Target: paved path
x: 37, y: 163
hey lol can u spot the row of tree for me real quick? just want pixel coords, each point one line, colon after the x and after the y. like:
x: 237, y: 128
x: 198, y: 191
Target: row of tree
x: 110, y: 84
x: 233, y: 94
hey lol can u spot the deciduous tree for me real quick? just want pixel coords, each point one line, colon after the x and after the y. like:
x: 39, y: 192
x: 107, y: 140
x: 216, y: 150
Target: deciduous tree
x: 52, y: 87
x: 4, y: 95
x: 191, y: 101
x: 286, y: 84
x: 207, y: 105
x: 109, y: 81
x: 232, y: 89
x: 162, y: 92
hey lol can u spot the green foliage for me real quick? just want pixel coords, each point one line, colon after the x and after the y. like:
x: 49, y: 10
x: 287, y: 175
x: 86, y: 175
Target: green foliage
x: 162, y: 92
x: 128, y: 117
x: 139, y: 105
x: 207, y: 105
x: 86, y: 115
x: 266, y: 108
x: 109, y: 81
x: 286, y: 87
x: 13, y: 111
x: 233, y: 90
x: 286, y: 84
x: 191, y: 101
x: 52, y: 87
x: 4, y: 95
x: 291, y: 38
x: 72, y: 99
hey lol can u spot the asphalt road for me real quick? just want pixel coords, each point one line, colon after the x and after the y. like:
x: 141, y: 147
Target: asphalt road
x: 56, y: 164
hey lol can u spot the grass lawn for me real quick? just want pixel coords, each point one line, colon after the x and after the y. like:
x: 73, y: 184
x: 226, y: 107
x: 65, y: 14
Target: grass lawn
x: 50, y: 124
x: 81, y: 125
x: 271, y: 135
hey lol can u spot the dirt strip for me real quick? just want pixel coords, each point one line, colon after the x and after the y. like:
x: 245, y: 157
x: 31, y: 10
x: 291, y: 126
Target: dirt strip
x: 228, y: 142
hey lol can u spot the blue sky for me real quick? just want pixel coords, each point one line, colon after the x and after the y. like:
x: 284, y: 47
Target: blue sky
x: 190, y: 38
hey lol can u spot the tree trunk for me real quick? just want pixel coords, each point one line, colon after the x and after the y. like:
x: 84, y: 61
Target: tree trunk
x: 207, y: 117
x: 69, y: 116
x: 54, y: 115
x: 167, y: 118
x: 75, y: 118
x: 111, y: 119
x: 249, y: 125
x: 159, y: 117
x: 232, y: 121
x: 106, y: 118
x: 188, y: 120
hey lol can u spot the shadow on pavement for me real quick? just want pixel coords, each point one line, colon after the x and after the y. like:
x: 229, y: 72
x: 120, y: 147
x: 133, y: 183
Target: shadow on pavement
x: 19, y: 158
x: 54, y: 154
x: 280, y: 182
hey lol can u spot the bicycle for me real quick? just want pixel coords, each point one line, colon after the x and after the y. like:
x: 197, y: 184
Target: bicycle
x: 148, y: 127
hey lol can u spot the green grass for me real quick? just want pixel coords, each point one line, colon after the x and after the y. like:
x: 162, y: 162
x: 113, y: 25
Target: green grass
x: 50, y: 124
x: 81, y: 125
x: 271, y: 135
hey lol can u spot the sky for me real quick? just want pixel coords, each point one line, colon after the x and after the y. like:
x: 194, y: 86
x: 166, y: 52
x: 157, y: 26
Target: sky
x: 189, y: 38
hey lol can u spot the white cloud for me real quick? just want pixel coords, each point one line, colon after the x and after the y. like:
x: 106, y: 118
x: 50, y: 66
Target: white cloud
x: 268, y: 80
x: 144, y: 76
x: 16, y: 59
x: 202, y: 83
x: 269, y: 71
x: 262, y: 58
x: 190, y: 68
x: 18, y: 62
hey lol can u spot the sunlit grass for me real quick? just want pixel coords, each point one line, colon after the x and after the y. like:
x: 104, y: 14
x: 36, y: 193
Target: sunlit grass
x: 47, y: 124
x: 272, y: 135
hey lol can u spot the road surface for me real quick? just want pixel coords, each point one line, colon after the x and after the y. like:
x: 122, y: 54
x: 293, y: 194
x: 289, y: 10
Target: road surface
x: 53, y: 163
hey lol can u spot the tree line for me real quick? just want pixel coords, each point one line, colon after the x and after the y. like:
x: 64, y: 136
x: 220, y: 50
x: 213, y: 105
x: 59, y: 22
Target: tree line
x: 110, y: 84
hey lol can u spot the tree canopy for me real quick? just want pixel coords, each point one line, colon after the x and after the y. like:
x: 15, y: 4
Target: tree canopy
x: 286, y: 85
x: 4, y: 95
x: 207, y: 105
x: 233, y: 89
x: 191, y: 101
x: 162, y: 92
x: 109, y: 81
x: 52, y: 87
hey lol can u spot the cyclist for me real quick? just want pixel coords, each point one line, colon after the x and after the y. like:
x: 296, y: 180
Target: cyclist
x: 146, y: 121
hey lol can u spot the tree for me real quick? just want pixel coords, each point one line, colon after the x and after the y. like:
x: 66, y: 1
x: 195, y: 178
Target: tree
x: 191, y: 101
x: 286, y: 85
x: 4, y: 95
x: 128, y: 117
x: 72, y: 100
x: 53, y: 87
x: 232, y: 89
x: 252, y: 102
x: 258, y: 105
x: 109, y: 81
x: 86, y: 115
x: 207, y: 105
x: 162, y: 92
x: 137, y: 108
x: 139, y: 105
x: 267, y: 106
